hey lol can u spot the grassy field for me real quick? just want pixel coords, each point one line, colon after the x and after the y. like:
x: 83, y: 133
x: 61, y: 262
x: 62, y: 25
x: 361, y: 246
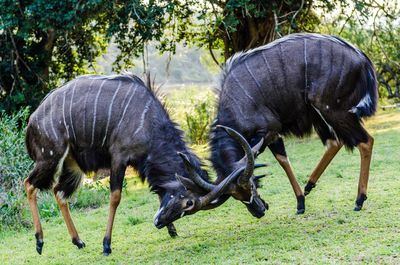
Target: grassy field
x: 329, y: 232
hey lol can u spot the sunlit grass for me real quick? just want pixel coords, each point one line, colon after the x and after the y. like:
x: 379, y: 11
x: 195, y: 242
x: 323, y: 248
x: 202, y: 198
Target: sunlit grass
x: 329, y: 232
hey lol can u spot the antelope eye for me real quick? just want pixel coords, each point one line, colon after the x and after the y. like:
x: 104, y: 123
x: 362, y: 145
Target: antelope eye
x: 189, y: 203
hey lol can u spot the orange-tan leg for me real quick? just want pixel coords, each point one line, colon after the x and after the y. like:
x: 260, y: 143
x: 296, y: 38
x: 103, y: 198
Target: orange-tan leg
x: 278, y: 149
x: 332, y: 148
x: 31, y: 192
x: 285, y: 164
x: 63, y: 204
x: 365, y: 155
x: 115, y: 199
x: 116, y: 181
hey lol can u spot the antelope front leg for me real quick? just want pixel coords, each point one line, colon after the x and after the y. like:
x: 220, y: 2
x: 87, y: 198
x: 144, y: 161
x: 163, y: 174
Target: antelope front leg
x: 333, y: 148
x: 31, y: 192
x: 116, y: 181
x: 366, y: 155
x: 278, y: 149
x: 172, y: 230
x: 68, y: 221
x: 115, y: 198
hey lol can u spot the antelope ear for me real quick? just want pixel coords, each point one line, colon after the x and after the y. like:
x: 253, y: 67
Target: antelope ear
x: 190, y: 185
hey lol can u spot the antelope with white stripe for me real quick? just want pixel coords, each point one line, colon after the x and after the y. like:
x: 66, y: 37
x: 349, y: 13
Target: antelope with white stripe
x: 96, y: 122
x: 288, y: 87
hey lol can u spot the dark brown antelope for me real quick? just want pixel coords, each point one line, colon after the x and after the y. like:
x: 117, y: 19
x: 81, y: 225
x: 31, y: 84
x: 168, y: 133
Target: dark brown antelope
x: 111, y: 122
x: 288, y: 87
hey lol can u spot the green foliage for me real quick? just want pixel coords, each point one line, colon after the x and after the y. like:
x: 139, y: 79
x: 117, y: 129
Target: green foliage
x: 198, y: 123
x: 14, y: 167
x: 378, y: 38
x: 90, y: 196
x: 47, y: 205
x: 14, y: 161
x: 43, y: 42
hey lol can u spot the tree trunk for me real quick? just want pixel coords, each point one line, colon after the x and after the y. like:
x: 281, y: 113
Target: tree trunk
x: 251, y: 33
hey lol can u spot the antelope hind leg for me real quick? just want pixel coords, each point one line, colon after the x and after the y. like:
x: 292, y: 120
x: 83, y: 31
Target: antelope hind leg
x: 63, y: 204
x: 365, y: 155
x: 333, y: 148
x: 31, y: 192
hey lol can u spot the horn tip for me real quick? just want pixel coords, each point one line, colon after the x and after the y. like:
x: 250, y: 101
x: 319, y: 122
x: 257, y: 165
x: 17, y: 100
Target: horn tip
x: 222, y: 126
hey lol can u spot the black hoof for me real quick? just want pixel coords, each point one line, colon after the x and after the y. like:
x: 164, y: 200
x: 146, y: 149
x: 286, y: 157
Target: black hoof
x: 79, y: 243
x: 360, y: 202
x: 309, y: 186
x: 173, y: 233
x: 301, y: 208
x: 106, y: 246
x: 39, y: 247
x: 106, y: 250
x: 39, y: 244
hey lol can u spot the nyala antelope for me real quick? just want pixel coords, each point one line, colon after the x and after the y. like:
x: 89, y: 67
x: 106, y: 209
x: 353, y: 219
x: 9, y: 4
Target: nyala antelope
x: 110, y: 122
x: 288, y: 87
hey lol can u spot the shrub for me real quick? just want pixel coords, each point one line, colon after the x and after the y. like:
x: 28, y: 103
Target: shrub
x: 14, y: 167
x: 90, y: 196
x: 198, y: 122
x: 14, y: 160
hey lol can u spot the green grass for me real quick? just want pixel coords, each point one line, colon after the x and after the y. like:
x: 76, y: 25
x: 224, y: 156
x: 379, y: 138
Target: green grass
x: 329, y: 232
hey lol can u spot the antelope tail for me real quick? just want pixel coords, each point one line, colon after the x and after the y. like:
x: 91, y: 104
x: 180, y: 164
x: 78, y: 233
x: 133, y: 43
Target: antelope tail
x: 367, y: 105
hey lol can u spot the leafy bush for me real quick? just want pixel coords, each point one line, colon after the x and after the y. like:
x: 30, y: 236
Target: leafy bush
x: 198, y: 122
x: 90, y: 196
x: 14, y: 167
x: 14, y: 160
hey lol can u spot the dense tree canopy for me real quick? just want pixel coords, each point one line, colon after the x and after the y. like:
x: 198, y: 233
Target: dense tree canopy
x: 44, y: 42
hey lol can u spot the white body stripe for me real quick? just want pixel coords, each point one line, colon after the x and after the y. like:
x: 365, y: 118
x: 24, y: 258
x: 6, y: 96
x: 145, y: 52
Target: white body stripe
x: 305, y: 65
x: 327, y: 124
x: 95, y: 111
x: 51, y: 119
x: 252, y: 75
x: 242, y: 88
x: 70, y: 111
x: 109, y: 112
x: 43, y: 120
x: 146, y: 108
x: 63, y: 112
x: 61, y: 163
x: 60, y: 166
x: 126, y: 107
x: 85, y: 104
